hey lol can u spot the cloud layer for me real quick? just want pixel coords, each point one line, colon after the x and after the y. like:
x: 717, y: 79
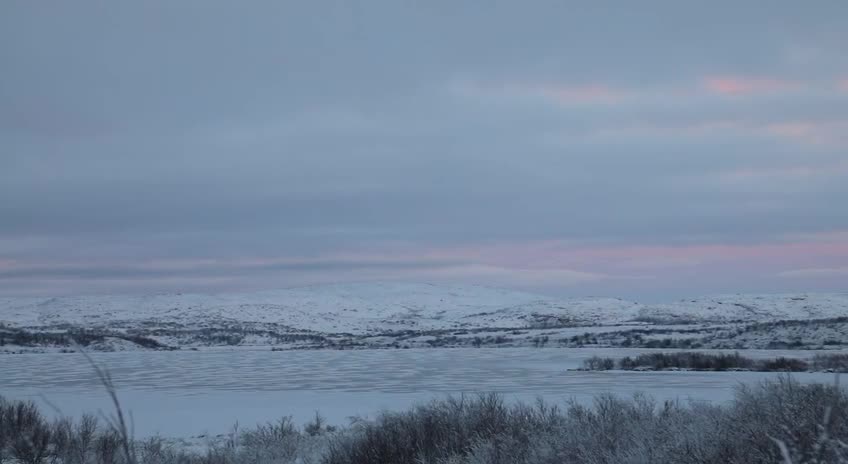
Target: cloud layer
x: 641, y: 150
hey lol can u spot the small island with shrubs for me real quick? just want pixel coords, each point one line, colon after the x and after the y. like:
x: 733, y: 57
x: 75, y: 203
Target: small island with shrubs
x: 696, y: 361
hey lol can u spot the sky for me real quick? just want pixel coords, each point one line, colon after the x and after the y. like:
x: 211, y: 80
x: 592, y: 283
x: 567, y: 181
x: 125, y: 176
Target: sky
x: 648, y: 150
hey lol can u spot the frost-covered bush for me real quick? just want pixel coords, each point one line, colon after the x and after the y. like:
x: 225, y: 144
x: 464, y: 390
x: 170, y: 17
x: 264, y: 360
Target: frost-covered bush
x: 442, y: 430
x: 808, y: 421
x: 778, y: 421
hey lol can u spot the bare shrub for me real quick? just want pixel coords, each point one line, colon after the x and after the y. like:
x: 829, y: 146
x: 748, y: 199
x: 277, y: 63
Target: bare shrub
x: 783, y: 364
x: 597, y: 363
x: 107, y: 448
x: 833, y: 362
x: 689, y: 360
x: 318, y: 426
x: 28, y: 432
x: 5, y: 429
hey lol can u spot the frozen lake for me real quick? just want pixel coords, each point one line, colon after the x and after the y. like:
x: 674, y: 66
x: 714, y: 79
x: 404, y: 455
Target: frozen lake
x: 183, y: 393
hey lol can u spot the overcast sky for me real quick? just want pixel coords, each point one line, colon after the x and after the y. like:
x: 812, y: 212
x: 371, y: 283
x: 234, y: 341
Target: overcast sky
x: 650, y: 149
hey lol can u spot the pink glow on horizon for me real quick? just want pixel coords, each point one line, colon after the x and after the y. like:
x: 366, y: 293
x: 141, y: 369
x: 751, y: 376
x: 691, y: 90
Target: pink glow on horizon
x: 740, y: 85
x: 810, y: 249
x: 534, y: 254
x: 548, y: 263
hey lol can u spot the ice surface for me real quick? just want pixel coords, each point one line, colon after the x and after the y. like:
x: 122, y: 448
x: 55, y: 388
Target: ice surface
x: 187, y: 393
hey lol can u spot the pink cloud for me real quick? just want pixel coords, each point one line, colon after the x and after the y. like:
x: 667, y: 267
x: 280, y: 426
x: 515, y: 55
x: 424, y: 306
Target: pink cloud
x: 561, y: 94
x: 842, y: 85
x: 741, y: 85
x: 590, y: 93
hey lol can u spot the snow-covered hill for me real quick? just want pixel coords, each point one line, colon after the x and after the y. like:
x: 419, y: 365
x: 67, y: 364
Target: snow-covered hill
x: 378, y: 314
x: 751, y: 308
x: 350, y: 308
x: 369, y: 307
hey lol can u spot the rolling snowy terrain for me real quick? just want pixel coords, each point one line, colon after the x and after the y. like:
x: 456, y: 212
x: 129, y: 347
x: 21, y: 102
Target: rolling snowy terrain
x: 401, y: 315
x: 352, y: 308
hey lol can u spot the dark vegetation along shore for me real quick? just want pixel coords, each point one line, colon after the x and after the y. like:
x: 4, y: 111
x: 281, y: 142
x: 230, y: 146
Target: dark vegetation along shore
x: 694, y: 361
x: 73, y: 338
x: 813, y: 334
x: 778, y: 421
